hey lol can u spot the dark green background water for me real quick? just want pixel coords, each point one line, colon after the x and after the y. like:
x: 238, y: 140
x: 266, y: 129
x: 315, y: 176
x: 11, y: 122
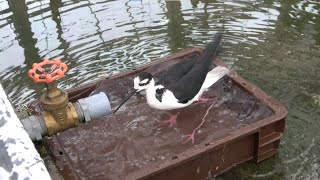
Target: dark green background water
x: 272, y: 43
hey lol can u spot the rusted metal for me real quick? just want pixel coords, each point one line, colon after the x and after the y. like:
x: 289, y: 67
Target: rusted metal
x: 244, y: 123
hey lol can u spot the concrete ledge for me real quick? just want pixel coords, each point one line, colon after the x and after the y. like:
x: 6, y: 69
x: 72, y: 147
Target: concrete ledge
x: 18, y: 157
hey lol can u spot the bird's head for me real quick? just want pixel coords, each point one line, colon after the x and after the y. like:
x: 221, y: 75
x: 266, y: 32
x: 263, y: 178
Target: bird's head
x: 140, y: 83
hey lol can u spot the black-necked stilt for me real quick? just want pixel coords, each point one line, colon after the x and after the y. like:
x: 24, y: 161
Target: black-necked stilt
x: 183, y: 83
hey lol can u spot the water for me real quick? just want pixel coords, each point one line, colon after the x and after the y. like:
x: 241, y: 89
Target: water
x: 274, y: 44
x: 134, y: 137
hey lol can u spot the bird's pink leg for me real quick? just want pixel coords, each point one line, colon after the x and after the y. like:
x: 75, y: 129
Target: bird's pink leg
x: 191, y: 136
x: 205, y: 99
x: 200, y: 99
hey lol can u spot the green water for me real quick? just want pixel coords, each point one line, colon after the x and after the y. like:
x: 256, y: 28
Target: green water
x: 274, y: 44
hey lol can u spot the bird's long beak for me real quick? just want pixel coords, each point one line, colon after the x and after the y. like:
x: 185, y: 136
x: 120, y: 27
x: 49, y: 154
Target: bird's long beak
x: 125, y: 100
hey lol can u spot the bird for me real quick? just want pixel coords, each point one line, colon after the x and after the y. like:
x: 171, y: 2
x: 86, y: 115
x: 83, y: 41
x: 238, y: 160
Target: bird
x: 181, y: 84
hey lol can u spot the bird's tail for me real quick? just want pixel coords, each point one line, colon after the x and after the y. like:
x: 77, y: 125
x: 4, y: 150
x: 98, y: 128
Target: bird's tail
x: 212, y: 49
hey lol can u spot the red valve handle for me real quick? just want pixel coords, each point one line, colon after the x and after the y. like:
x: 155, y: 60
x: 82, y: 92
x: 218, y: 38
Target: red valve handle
x: 39, y: 71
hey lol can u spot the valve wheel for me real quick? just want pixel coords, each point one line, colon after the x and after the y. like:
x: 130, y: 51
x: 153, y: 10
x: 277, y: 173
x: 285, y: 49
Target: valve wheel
x: 47, y: 71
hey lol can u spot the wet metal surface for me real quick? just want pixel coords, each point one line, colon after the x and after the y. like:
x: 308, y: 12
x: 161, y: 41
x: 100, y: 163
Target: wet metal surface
x: 134, y: 138
x: 274, y: 44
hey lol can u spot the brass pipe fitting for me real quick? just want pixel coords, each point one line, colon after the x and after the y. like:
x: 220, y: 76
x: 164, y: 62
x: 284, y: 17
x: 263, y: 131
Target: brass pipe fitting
x: 59, y: 114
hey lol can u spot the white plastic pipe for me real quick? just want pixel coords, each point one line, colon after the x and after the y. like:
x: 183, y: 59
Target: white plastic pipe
x: 93, y: 107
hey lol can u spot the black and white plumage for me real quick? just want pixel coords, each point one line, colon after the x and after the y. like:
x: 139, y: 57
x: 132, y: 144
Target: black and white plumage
x: 183, y: 83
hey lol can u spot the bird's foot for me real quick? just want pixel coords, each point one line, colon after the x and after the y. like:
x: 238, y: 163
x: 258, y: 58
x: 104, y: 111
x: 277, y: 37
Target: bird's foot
x: 190, y: 137
x: 171, y: 121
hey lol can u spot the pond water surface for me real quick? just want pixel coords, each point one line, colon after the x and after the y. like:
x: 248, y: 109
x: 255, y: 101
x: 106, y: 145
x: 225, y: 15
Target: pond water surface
x: 274, y: 44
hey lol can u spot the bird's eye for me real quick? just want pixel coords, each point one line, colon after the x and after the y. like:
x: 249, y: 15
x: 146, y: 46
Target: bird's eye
x: 144, y: 82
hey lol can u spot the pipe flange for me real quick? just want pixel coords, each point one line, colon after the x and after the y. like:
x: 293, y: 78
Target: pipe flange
x: 85, y: 109
x: 35, y: 127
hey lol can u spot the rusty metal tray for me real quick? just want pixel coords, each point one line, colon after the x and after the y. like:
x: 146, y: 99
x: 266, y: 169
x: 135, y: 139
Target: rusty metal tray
x: 244, y: 123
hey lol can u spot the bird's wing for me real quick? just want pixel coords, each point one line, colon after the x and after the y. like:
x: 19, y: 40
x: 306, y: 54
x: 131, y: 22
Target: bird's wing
x: 188, y: 85
x: 172, y: 74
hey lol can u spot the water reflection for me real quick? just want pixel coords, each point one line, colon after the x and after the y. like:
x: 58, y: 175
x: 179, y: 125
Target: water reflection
x: 176, y: 32
x: 301, y: 15
x: 272, y: 43
x: 64, y: 45
x: 194, y: 3
x: 22, y: 26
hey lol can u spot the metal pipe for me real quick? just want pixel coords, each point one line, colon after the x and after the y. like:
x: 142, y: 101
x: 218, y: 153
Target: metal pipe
x: 59, y: 114
x: 87, y: 109
x: 35, y: 127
